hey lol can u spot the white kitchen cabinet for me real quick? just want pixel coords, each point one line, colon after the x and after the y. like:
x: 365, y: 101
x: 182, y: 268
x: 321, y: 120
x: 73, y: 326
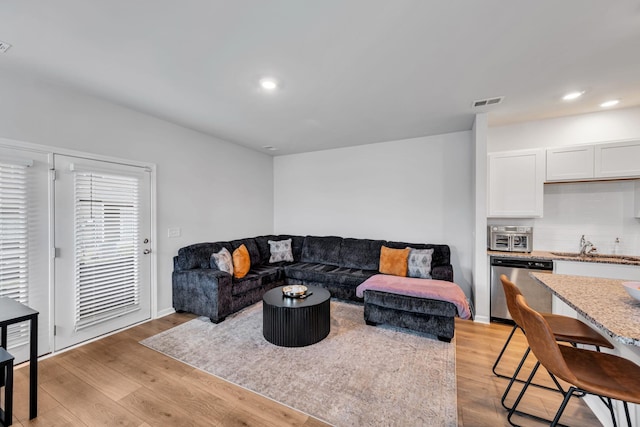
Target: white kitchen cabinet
x: 516, y: 184
x: 570, y: 163
x: 617, y: 160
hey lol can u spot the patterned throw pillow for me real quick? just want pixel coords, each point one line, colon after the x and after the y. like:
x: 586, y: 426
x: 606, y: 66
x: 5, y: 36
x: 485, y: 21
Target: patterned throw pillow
x: 280, y: 250
x: 420, y: 263
x: 223, y: 260
x: 241, y: 262
x: 394, y: 261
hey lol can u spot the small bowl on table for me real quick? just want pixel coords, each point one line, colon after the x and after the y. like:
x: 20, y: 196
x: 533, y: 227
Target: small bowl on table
x: 633, y: 289
x: 294, y: 291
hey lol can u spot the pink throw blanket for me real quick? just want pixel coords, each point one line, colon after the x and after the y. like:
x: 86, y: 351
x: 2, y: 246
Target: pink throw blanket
x: 440, y: 290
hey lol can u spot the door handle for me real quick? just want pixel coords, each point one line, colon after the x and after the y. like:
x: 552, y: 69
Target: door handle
x: 146, y: 251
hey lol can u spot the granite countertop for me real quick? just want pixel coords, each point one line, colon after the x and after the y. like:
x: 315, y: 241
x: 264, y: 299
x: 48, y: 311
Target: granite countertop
x: 600, y: 258
x: 604, y: 302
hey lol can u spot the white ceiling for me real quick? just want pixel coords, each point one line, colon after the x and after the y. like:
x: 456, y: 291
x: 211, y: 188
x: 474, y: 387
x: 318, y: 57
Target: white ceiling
x: 352, y: 71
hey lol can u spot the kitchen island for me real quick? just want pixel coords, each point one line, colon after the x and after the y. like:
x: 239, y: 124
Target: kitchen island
x: 609, y: 308
x: 603, y: 302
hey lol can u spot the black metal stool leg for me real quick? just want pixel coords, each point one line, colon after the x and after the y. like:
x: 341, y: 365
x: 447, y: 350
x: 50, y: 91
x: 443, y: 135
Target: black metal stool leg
x: 514, y: 378
x: 626, y: 413
x: 564, y: 405
x: 504, y: 347
x: 519, y: 398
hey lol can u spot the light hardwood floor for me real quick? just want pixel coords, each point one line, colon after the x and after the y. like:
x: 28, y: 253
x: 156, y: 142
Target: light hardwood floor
x: 116, y: 381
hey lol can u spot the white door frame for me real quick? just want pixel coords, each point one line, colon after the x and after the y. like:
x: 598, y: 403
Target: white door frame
x: 50, y: 151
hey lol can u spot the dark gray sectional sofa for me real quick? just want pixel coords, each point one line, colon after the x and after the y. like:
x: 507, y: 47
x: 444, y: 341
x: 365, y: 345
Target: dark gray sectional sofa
x: 334, y: 263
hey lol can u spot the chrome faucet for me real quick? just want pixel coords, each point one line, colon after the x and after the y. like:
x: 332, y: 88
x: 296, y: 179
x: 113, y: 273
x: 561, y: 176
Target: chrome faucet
x: 586, y: 247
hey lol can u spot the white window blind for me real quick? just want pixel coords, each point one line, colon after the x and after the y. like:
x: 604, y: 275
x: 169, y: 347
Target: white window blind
x: 106, y: 246
x: 14, y: 238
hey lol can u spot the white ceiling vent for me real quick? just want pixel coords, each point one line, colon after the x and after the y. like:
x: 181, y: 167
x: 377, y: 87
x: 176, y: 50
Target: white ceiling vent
x: 487, y: 102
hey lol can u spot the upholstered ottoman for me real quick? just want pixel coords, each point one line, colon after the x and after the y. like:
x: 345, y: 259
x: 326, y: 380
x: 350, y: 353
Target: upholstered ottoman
x: 418, y: 314
x: 422, y: 305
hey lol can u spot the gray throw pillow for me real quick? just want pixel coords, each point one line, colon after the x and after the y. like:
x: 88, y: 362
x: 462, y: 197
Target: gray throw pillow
x: 223, y: 260
x: 280, y: 250
x: 419, y: 263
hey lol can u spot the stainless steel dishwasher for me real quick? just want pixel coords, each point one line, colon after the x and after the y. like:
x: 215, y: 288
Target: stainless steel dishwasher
x: 517, y: 270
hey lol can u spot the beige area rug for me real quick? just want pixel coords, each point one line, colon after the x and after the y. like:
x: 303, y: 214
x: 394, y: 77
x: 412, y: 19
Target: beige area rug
x: 358, y: 376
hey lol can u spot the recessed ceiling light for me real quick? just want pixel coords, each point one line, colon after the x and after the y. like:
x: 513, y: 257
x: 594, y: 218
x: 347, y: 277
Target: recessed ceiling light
x: 572, y: 95
x: 269, y: 83
x: 610, y: 103
x: 269, y: 147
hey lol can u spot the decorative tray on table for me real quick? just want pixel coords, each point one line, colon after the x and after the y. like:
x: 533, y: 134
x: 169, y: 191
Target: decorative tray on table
x: 295, y: 291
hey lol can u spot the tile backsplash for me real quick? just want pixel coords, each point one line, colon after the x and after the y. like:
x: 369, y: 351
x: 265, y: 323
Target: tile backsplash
x: 602, y: 211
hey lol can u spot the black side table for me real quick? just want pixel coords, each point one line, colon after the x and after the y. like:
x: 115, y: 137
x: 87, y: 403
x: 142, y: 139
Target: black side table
x: 295, y: 322
x: 11, y: 312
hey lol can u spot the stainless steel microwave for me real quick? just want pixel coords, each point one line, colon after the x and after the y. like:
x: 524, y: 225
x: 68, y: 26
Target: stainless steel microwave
x: 510, y: 238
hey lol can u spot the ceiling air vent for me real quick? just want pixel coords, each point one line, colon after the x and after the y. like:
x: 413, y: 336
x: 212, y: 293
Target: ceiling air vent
x: 487, y: 102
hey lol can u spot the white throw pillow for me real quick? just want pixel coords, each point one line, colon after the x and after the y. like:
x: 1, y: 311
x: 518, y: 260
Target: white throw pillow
x: 223, y: 260
x: 280, y: 250
x: 419, y: 263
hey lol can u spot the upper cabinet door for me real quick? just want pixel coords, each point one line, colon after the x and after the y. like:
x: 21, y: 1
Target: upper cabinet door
x: 617, y: 160
x: 516, y: 184
x: 570, y: 163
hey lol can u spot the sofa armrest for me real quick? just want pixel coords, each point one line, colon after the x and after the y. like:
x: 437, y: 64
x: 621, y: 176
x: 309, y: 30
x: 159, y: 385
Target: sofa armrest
x: 204, y: 292
x: 442, y: 272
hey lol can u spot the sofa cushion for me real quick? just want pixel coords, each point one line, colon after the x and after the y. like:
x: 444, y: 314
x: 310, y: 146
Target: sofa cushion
x: 360, y: 253
x: 441, y: 253
x: 247, y: 283
x: 419, y: 263
x: 394, y: 261
x: 265, y: 253
x: 325, y: 250
x: 258, y: 276
x: 241, y: 262
x: 280, y: 250
x: 269, y: 273
x: 323, y: 273
x: 252, y: 248
x: 222, y: 261
x: 198, y: 255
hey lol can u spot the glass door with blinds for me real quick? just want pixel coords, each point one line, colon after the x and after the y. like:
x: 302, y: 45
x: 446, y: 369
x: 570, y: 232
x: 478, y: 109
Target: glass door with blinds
x: 24, y: 242
x: 102, y: 231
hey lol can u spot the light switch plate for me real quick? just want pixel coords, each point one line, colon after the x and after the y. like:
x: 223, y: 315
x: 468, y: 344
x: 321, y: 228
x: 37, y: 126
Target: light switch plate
x: 174, y: 232
x: 4, y: 47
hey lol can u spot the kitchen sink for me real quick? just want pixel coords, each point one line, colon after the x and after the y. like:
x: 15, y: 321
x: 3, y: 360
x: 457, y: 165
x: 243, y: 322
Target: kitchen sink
x: 597, y: 256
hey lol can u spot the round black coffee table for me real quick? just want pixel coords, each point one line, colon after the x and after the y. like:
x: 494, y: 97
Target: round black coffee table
x: 296, y: 322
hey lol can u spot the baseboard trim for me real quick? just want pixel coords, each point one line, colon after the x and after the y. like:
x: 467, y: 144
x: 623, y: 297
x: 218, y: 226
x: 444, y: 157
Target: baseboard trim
x: 482, y: 319
x: 165, y: 312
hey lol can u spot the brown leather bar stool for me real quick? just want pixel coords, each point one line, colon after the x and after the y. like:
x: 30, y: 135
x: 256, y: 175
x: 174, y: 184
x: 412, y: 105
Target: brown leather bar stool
x: 601, y: 374
x: 565, y: 329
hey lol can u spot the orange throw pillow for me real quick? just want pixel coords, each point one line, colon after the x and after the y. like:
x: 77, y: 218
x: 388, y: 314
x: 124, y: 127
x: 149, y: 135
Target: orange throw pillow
x: 393, y: 261
x: 241, y: 262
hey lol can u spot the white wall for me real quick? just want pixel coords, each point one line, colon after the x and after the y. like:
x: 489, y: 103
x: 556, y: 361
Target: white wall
x: 414, y: 190
x: 600, y: 210
x: 610, y: 125
x: 211, y: 189
x: 481, y: 287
